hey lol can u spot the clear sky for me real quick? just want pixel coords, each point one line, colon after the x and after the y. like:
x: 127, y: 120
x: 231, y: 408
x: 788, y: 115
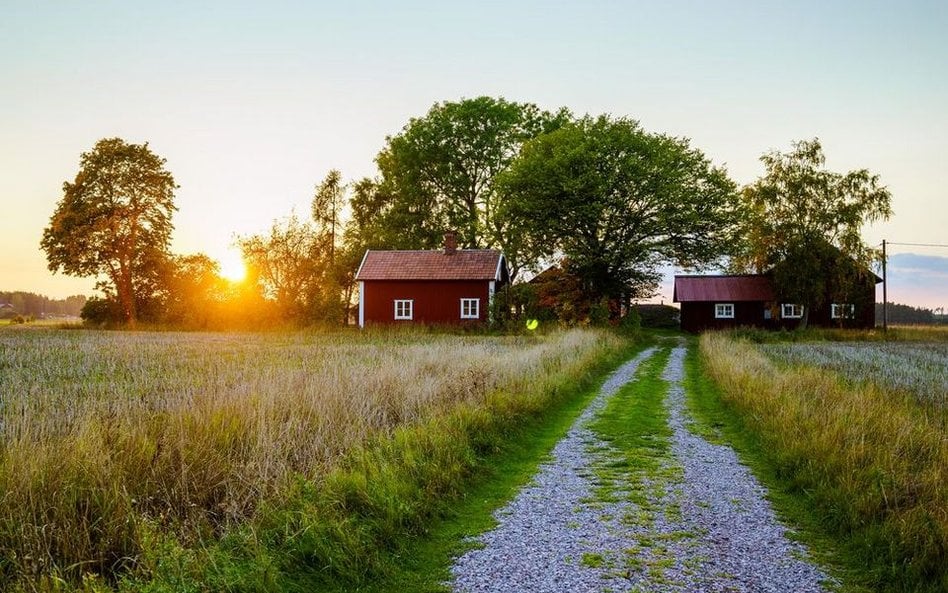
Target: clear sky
x: 252, y: 103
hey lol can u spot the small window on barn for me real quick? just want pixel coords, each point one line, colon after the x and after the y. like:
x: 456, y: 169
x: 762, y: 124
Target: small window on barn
x: 724, y: 310
x: 843, y: 311
x: 791, y: 311
x: 404, y: 309
x: 470, y: 308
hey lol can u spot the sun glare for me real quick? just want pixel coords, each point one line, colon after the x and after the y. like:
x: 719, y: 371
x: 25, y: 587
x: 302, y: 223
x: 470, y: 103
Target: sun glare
x: 232, y: 266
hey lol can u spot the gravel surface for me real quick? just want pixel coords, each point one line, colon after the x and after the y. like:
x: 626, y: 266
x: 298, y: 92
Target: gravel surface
x: 700, y: 523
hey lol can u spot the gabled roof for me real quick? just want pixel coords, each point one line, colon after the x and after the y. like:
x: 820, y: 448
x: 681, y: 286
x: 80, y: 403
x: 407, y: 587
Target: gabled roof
x: 463, y: 264
x: 754, y: 287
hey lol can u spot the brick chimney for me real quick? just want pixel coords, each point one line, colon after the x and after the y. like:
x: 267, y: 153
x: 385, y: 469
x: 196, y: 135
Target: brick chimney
x: 450, y: 242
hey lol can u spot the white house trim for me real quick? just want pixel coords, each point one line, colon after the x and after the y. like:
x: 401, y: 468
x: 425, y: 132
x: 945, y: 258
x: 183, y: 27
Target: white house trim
x: 500, y: 262
x: 791, y: 311
x: 473, y: 308
x: 490, y: 300
x: 407, y: 307
x: 362, y: 263
x: 362, y: 299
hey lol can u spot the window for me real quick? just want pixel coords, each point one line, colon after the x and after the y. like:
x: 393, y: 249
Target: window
x: 843, y: 311
x: 791, y: 311
x: 403, y: 309
x: 724, y: 310
x: 470, y: 308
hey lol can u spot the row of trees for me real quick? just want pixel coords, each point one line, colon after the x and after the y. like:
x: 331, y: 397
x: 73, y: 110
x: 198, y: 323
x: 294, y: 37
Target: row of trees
x: 898, y: 313
x: 608, y: 200
x: 38, y: 305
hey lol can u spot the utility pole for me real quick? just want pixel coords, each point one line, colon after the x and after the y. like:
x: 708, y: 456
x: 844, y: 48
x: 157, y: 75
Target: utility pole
x: 885, y: 296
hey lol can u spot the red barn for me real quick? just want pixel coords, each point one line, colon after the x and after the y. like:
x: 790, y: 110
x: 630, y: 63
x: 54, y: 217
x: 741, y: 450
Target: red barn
x: 453, y: 286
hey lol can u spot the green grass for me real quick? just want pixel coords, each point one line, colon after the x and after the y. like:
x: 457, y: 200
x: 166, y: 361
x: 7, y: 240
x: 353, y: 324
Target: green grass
x: 634, y: 423
x: 638, y: 465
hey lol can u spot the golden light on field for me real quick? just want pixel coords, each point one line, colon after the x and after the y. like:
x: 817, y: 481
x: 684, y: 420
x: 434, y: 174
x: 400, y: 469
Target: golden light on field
x: 232, y: 266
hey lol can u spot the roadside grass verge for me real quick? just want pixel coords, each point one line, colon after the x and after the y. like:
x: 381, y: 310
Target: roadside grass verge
x: 855, y: 464
x: 282, y: 462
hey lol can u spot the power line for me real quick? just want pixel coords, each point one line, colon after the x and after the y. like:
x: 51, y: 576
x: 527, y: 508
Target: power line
x: 917, y: 244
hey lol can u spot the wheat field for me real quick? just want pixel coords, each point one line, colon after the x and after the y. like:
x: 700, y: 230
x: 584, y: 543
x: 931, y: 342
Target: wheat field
x: 105, y: 433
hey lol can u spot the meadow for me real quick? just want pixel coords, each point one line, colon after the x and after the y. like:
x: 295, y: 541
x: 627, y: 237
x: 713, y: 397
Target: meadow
x: 920, y: 368
x: 159, y: 460
x: 857, y: 433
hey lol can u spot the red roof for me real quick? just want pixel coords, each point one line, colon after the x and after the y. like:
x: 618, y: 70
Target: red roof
x: 723, y: 288
x: 463, y: 264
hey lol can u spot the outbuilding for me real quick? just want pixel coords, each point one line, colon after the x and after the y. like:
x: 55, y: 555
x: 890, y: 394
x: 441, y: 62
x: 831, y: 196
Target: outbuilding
x: 450, y: 286
x: 721, y: 302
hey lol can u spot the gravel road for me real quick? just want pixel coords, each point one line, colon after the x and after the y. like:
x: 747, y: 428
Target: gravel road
x: 699, y: 524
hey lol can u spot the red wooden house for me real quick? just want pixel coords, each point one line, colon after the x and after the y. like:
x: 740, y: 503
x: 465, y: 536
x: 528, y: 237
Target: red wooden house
x: 450, y: 286
x: 719, y: 302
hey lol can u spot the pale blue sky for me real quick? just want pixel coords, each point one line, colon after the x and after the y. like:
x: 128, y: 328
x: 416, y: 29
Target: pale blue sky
x: 252, y: 103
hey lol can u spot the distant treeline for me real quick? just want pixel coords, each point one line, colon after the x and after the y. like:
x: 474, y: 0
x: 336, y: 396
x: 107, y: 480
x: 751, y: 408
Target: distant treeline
x: 38, y: 305
x: 898, y: 313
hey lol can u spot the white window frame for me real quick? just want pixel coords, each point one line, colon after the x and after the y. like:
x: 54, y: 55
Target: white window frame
x: 724, y: 310
x: 405, y: 303
x: 476, y: 313
x: 848, y: 311
x: 793, y: 312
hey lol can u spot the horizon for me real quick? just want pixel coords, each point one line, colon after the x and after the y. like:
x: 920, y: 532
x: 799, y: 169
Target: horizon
x: 252, y: 106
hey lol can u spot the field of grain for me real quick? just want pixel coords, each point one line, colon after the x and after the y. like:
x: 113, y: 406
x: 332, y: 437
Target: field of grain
x: 919, y: 368
x: 106, y: 437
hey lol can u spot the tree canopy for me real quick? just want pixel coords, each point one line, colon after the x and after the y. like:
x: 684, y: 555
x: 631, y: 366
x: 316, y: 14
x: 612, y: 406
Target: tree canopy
x: 114, y: 221
x: 804, y: 222
x: 618, y: 202
x: 440, y: 173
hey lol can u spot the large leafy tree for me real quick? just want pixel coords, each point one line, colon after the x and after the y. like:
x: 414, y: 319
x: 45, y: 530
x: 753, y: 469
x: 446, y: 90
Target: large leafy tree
x: 440, y: 173
x: 804, y: 221
x: 114, y: 222
x: 618, y: 202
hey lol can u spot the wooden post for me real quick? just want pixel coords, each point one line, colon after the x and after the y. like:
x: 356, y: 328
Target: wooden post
x: 885, y: 296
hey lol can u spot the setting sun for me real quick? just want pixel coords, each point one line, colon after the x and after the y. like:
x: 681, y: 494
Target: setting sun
x: 232, y: 266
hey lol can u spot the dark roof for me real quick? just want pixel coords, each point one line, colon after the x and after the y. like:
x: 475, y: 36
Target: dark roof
x: 723, y: 288
x: 463, y: 264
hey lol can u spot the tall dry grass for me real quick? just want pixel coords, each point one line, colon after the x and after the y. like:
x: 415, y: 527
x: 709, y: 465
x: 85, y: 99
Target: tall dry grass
x: 873, y: 463
x: 106, y: 436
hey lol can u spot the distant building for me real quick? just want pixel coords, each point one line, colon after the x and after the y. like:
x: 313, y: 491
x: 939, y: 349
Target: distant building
x: 721, y: 302
x: 449, y: 286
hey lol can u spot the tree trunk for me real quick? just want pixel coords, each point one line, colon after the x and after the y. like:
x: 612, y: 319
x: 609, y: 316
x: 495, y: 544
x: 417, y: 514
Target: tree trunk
x: 805, y: 320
